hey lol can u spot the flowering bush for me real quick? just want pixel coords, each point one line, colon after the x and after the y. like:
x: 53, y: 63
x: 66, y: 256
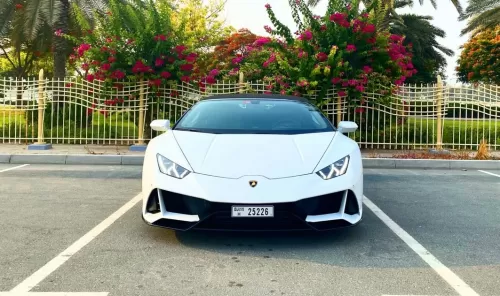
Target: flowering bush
x: 341, y: 49
x: 479, y: 60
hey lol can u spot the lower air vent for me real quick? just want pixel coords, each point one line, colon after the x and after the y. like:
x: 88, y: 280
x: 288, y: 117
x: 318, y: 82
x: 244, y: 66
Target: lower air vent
x: 153, y: 204
x: 351, y: 205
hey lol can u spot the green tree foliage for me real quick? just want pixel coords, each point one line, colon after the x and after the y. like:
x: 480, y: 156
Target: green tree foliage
x: 479, y: 61
x: 198, y: 23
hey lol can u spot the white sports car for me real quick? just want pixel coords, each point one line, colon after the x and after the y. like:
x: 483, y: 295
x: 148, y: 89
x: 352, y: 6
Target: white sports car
x: 252, y: 162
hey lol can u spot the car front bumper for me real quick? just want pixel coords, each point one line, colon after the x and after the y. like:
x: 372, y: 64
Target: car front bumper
x: 180, y: 212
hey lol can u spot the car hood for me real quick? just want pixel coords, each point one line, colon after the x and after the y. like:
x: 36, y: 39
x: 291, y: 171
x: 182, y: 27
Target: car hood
x: 270, y: 156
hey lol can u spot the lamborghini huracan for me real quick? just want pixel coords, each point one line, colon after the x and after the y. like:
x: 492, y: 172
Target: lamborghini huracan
x: 249, y: 162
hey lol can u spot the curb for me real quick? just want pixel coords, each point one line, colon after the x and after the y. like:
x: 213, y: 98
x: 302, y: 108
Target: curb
x: 441, y: 164
x: 72, y: 159
x: 369, y: 163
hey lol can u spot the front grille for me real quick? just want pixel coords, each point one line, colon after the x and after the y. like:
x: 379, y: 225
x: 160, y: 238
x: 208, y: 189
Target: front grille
x: 288, y: 216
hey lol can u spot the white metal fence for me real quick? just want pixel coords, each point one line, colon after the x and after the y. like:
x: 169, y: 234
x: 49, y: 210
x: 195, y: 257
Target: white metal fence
x: 74, y: 111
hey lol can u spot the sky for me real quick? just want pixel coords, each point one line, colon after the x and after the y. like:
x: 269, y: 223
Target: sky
x: 251, y: 14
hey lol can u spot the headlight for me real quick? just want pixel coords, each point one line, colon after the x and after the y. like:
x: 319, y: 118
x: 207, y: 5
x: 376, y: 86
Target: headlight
x: 170, y: 168
x: 336, y: 169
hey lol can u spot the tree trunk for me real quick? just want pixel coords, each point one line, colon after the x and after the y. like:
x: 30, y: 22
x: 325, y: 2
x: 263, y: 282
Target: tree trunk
x: 60, y: 44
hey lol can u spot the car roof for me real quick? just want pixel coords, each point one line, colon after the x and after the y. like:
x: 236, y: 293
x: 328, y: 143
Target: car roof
x: 256, y: 97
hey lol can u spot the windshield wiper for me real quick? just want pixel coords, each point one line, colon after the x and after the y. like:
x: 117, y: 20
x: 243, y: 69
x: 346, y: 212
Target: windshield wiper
x: 195, y: 130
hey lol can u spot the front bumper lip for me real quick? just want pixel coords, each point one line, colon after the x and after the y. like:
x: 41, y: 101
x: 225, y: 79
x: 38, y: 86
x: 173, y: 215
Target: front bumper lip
x: 306, y: 214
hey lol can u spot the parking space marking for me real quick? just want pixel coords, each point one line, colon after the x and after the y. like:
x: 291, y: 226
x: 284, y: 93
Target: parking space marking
x: 16, y: 167
x: 60, y: 259
x: 446, y: 274
x: 489, y: 173
x: 54, y: 293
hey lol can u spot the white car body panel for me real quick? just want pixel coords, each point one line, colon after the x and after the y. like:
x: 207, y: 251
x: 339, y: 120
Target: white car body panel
x: 271, y: 156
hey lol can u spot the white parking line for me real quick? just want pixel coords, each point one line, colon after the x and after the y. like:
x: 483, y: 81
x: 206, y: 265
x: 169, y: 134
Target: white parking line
x: 54, y: 293
x: 446, y: 274
x: 60, y: 259
x: 17, y: 167
x: 489, y: 173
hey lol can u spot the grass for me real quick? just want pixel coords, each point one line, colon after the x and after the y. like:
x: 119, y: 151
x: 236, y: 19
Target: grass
x: 456, y: 123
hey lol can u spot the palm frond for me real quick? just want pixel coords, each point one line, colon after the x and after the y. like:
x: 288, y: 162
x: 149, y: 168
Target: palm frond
x: 486, y: 20
x: 34, y: 17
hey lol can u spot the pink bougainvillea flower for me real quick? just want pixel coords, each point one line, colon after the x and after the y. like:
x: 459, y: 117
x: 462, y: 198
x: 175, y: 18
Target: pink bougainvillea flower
x: 19, y: 6
x: 338, y: 17
x: 265, y: 64
x: 82, y: 49
x: 321, y: 56
x: 58, y: 32
x: 365, y: 15
x: 367, y: 69
x: 165, y: 75
x: 350, y: 48
x: 323, y: 28
x: 210, y: 79
x: 261, y: 41
x: 105, y: 67
x: 237, y: 60
x: 180, y: 49
x: 369, y: 28
x: 395, y: 38
x: 342, y: 93
x: 160, y: 37
x: 359, y: 110
x: 360, y: 88
x: 139, y: 67
x: 90, y: 78
x: 336, y: 80
x: 186, y: 67
x: 111, y: 59
x: 234, y: 71
x: 268, y: 6
x: 371, y: 40
x: 118, y: 74
x: 185, y: 78
x: 85, y: 66
x: 268, y: 29
x: 306, y: 35
x: 352, y: 82
x: 191, y: 58
x: 159, y: 62
x: 214, y: 72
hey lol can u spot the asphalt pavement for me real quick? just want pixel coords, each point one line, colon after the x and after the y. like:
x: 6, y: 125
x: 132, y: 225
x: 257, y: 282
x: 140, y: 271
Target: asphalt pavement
x: 44, y: 209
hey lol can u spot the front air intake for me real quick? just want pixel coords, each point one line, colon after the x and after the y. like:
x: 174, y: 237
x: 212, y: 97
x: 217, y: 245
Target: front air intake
x: 351, y: 204
x: 153, y: 204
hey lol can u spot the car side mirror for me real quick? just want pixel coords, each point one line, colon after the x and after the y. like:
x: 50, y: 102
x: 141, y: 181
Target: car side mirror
x: 160, y: 125
x: 347, y: 127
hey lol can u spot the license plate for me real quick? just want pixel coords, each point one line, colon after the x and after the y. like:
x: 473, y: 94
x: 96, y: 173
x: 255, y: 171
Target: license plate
x: 253, y: 211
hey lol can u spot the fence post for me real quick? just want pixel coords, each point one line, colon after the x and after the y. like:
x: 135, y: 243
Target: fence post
x: 241, y: 81
x: 339, y: 109
x: 439, y: 100
x: 141, y: 113
x: 40, y: 144
x: 140, y: 146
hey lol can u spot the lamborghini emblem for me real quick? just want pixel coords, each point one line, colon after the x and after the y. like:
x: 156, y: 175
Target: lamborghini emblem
x: 253, y: 183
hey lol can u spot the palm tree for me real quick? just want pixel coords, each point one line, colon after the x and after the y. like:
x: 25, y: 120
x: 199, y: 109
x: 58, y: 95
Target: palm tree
x: 390, y: 3
x: 34, y: 19
x: 482, y: 15
x: 428, y: 55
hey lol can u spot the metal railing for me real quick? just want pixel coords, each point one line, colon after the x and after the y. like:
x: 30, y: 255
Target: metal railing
x: 75, y: 111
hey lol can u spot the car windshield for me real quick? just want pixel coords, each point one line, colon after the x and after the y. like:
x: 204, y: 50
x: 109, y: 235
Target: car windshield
x: 254, y: 116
